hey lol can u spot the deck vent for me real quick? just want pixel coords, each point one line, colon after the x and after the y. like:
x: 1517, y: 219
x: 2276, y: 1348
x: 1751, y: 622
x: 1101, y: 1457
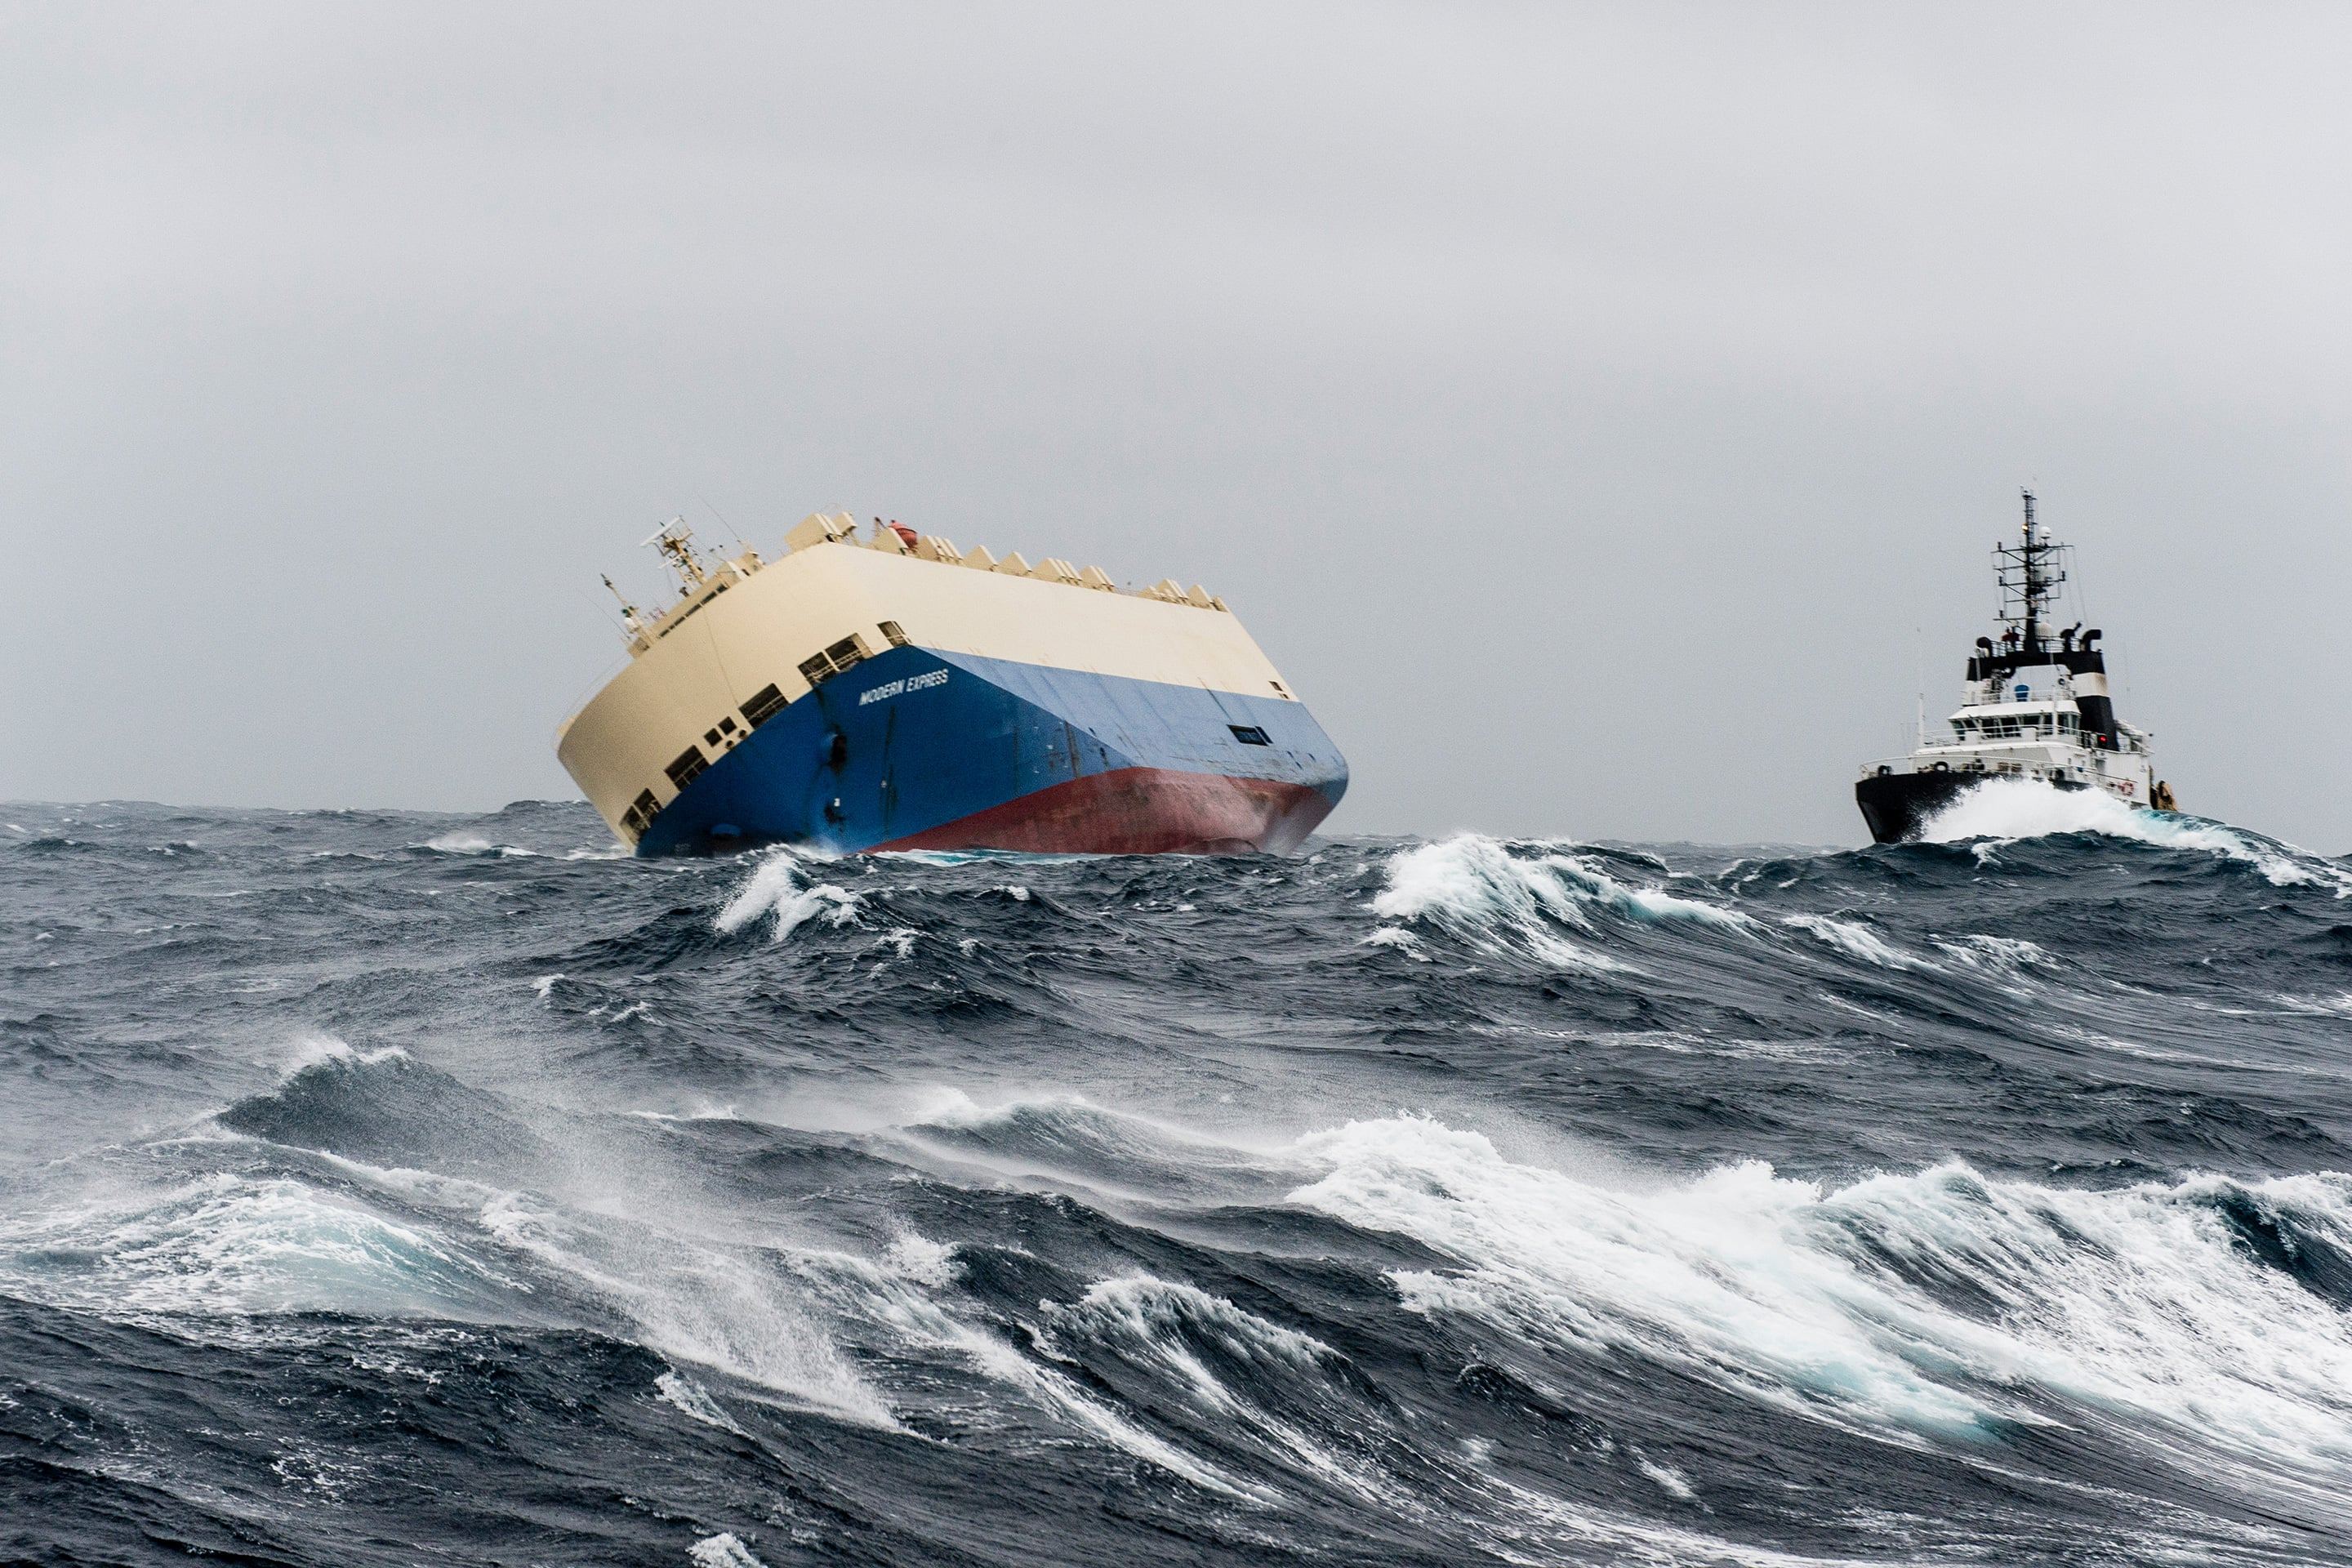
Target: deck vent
x: 688, y: 768
x: 764, y: 705
x: 1251, y: 734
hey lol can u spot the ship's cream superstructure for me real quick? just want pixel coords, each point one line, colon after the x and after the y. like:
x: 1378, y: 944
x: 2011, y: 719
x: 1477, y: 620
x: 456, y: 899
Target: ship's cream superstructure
x: 749, y: 637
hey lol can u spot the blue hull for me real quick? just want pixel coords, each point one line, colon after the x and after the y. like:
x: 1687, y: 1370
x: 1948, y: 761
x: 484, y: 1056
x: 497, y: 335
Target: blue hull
x: 918, y: 749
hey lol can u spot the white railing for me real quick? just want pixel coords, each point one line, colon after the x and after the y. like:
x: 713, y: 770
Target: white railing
x: 1995, y: 761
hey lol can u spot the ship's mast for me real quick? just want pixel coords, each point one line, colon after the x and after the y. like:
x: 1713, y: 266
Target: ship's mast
x: 674, y: 539
x: 2030, y: 575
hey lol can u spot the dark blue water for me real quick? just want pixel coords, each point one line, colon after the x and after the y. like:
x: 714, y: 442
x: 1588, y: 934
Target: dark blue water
x: 381, y: 1188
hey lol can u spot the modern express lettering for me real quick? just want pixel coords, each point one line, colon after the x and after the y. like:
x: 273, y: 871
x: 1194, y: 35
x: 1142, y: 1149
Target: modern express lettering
x: 890, y: 689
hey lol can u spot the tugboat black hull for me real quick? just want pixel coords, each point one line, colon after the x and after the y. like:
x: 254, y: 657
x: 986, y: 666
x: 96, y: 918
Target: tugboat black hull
x: 1897, y: 805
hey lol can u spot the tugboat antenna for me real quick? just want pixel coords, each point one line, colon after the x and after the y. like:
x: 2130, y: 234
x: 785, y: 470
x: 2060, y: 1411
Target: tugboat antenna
x: 2026, y: 573
x: 2034, y: 588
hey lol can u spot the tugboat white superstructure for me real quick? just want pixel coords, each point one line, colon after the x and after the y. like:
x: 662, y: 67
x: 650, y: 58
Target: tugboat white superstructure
x: 2036, y: 708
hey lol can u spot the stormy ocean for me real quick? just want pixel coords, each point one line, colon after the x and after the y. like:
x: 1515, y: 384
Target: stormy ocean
x: 389, y: 1188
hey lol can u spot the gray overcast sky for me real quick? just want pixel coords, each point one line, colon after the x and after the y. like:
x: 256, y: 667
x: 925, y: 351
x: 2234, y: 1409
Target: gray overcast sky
x: 1600, y: 413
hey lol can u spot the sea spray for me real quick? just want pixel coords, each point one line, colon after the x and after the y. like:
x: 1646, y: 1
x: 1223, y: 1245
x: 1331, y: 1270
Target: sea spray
x: 1483, y: 1200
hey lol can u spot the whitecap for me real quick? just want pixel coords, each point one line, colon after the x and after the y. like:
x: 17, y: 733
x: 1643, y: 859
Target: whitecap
x: 2001, y: 955
x: 922, y: 1260
x: 1470, y: 877
x: 696, y: 1300
x: 2003, y: 810
x: 237, y: 1246
x: 777, y: 887
x: 2138, y: 1306
x: 723, y: 1551
x: 694, y: 1400
x: 1855, y: 941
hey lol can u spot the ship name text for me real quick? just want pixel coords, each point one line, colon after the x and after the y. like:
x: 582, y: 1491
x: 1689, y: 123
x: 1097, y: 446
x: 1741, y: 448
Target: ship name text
x: 890, y: 689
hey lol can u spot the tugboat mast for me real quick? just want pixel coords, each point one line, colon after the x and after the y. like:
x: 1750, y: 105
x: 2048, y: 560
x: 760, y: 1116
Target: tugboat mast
x: 2029, y: 577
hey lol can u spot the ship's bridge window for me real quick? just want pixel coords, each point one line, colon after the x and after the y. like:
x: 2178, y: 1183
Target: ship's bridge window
x: 641, y: 813
x: 849, y: 651
x: 764, y: 705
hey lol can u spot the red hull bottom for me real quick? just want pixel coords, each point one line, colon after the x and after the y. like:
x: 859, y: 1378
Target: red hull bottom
x: 1140, y: 811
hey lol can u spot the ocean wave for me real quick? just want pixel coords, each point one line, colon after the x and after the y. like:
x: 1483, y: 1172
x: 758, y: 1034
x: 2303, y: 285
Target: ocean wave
x: 1503, y: 897
x: 780, y: 888
x: 1941, y: 1302
x: 1855, y: 940
x: 2002, y: 810
x: 238, y: 1245
x: 1481, y: 1200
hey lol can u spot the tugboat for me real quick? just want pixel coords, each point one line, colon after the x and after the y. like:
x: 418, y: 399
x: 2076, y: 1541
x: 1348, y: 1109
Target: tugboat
x: 2035, y: 707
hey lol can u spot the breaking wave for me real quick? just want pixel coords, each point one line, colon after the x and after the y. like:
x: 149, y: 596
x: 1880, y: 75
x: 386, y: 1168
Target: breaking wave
x: 1492, y: 892
x: 1478, y: 1200
x: 2002, y: 809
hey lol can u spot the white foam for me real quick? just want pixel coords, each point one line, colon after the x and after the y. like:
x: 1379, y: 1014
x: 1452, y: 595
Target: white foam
x: 1670, y: 1480
x: 1855, y: 941
x: 1494, y: 896
x: 723, y: 1551
x: 778, y: 886
x: 228, y: 1245
x: 1148, y: 1321
x: 2008, y: 809
x: 922, y: 1260
x: 1396, y: 937
x: 457, y: 843
x: 2001, y: 955
x: 460, y: 843
x: 2137, y: 1303
x: 308, y: 1050
x: 1144, y: 1309
x: 883, y: 1297
x: 694, y: 1400
x: 697, y: 1301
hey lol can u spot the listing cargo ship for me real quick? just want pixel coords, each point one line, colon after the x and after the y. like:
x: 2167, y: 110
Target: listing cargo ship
x: 2035, y: 706
x: 895, y: 692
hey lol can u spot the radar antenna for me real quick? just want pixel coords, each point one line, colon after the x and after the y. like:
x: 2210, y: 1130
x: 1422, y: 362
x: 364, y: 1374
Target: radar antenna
x: 675, y: 540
